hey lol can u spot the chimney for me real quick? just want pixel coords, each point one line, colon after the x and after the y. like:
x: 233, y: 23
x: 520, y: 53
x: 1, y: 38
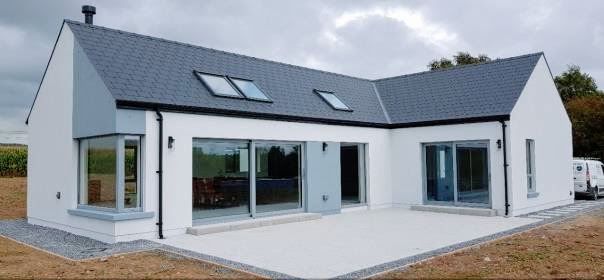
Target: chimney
x: 88, y: 12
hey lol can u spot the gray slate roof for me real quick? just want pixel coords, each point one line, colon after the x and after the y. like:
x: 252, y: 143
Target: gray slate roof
x: 140, y: 69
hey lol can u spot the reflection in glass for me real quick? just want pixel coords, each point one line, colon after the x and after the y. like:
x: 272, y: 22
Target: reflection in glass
x: 220, y: 178
x: 439, y: 173
x: 277, y: 177
x: 100, y: 177
x: 131, y: 170
x: 472, y: 175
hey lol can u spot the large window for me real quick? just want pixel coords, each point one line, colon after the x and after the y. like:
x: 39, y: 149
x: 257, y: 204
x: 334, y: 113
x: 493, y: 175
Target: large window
x: 277, y: 177
x: 530, y: 165
x: 457, y: 173
x: 220, y: 178
x: 110, y: 173
x: 222, y: 172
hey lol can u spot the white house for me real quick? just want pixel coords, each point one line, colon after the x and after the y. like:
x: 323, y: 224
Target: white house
x: 138, y: 137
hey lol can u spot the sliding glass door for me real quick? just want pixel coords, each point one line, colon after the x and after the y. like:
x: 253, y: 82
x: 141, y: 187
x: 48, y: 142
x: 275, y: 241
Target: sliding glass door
x: 457, y: 173
x: 221, y: 185
x: 277, y: 177
x: 226, y: 183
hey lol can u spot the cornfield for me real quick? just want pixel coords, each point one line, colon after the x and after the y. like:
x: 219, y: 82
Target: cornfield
x: 13, y: 161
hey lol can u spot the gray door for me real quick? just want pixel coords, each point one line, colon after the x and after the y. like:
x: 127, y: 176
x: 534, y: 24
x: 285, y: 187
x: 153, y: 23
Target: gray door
x: 440, y: 183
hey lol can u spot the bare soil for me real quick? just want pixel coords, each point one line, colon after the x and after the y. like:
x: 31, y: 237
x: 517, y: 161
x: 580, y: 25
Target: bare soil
x: 13, y: 197
x: 570, y: 249
x: 21, y: 261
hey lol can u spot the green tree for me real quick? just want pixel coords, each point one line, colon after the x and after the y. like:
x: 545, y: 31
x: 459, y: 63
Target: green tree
x: 461, y: 58
x: 587, y: 117
x: 573, y: 83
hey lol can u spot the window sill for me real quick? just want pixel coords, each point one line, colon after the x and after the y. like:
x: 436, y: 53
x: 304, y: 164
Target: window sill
x: 532, y: 195
x: 109, y: 216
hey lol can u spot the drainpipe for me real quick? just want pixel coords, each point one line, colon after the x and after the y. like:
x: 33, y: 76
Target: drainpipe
x: 505, y: 168
x: 160, y: 121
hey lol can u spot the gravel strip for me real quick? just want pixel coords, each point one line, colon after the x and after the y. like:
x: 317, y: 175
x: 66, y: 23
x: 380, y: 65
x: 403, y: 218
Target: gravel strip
x: 77, y: 247
x: 404, y: 262
x: 66, y: 244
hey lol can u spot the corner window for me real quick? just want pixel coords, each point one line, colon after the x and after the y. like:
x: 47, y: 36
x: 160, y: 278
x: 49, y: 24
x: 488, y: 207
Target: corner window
x: 333, y: 100
x: 110, y: 173
x: 249, y: 89
x: 218, y: 85
x: 530, y: 165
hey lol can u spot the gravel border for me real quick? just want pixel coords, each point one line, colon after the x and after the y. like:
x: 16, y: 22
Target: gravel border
x: 404, y: 263
x: 76, y: 247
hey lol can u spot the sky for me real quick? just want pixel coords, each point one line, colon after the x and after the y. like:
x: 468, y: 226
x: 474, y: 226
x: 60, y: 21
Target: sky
x: 369, y: 39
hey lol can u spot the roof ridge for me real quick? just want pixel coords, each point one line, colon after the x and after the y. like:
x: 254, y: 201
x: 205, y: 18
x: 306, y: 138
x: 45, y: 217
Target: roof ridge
x: 211, y: 49
x: 497, y: 60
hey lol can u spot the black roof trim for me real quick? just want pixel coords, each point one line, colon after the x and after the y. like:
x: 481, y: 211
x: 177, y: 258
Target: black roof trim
x: 275, y: 117
x: 452, y: 121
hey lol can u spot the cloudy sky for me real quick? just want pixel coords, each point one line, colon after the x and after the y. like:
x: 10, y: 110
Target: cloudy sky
x: 368, y: 39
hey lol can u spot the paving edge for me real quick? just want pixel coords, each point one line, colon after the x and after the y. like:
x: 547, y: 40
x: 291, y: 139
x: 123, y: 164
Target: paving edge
x: 404, y: 263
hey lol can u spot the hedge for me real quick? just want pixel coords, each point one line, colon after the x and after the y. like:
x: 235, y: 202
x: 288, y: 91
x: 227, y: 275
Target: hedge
x: 13, y: 161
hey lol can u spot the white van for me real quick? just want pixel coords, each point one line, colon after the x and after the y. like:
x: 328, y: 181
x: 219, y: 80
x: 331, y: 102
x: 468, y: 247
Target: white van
x: 589, y: 177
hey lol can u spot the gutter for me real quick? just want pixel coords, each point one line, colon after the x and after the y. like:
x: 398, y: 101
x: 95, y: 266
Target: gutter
x: 505, y: 168
x: 160, y: 224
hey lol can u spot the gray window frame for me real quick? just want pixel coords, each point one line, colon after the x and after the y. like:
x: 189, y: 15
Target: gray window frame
x: 252, y: 182
x: 530, y: 166
x: 119, y: 176
x: 453, y: 145
x: 320, y: 94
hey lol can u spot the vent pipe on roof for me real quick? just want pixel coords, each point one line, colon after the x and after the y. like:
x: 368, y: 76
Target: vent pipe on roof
x: 88, y: 12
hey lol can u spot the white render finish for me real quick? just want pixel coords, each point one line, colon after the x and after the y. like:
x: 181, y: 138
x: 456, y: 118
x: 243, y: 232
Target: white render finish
x: 540, y: 115
x: 394, y: 159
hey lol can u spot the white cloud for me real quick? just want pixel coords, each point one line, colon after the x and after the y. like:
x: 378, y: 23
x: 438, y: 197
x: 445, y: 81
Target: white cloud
x: 430, y: 32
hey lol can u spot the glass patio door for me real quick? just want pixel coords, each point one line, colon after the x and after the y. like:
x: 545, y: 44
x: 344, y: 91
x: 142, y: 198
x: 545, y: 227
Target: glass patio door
x: 472, y: 173
x: 457, y: 173
x: 439, y: 173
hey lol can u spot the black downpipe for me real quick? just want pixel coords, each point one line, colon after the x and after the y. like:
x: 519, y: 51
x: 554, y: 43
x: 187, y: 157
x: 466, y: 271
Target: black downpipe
x: 505, y: 168
x: 160, y: 224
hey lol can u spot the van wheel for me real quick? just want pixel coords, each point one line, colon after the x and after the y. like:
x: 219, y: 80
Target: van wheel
x: 595, y: 194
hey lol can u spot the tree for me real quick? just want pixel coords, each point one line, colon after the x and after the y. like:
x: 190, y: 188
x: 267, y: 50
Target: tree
x: 461, y: 58
x: 574, y: 83
x: 587, y: 117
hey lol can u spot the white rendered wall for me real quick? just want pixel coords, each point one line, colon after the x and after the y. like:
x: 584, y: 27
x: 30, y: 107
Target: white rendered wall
x: 407, y: 165
x: 53, y: 154
x: 540, y: 115
x: 185, y: 127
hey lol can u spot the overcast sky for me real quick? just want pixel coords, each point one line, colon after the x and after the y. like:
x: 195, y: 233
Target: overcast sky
x: 370, y: 39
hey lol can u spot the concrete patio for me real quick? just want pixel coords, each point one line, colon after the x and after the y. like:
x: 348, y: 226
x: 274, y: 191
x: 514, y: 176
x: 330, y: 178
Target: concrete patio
x: 341, y: 244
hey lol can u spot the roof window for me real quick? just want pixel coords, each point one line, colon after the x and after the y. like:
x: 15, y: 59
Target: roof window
x: 249, y: 89
x: 218, y: 85
x: 333, y: 100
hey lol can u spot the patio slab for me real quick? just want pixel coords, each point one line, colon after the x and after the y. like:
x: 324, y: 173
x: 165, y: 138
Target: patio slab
x: 342, y: 244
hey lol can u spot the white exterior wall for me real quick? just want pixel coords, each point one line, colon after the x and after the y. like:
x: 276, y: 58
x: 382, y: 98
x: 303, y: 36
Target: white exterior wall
x: 540, y: 115
x: 53, y: 154
x: 407, y: 163
x: 178, y: 161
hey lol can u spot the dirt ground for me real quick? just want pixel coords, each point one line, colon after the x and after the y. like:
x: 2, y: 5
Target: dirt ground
x: 571, y: 249
x: 20, y: 261
x: 13, y: 198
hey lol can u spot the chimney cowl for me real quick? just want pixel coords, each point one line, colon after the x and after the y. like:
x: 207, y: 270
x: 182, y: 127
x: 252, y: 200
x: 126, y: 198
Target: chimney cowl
x: 88, y: 12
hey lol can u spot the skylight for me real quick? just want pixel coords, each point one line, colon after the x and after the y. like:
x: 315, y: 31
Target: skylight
x: 249, y: 89
x: 218, y: 85
x: 333, y: 100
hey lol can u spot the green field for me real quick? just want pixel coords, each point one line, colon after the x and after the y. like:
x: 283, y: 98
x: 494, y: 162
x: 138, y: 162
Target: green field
x: 13, y: 161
